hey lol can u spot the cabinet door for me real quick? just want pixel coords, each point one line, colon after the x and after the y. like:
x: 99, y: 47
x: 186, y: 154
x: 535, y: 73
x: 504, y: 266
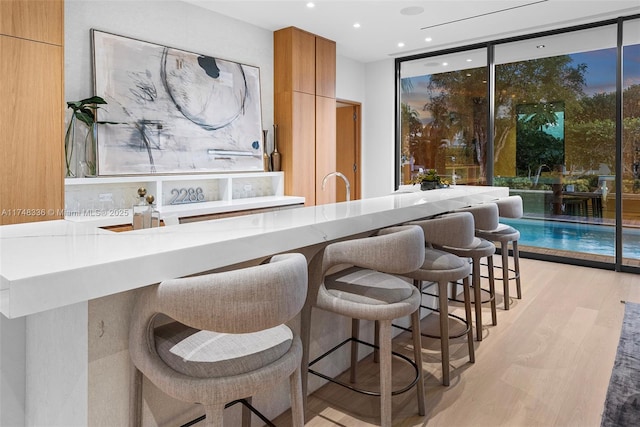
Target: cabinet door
x: 294, y: 60
x: 326, y: 150
x: 295, y: 117
x: 31, y: 120
x: 39, y: 20
x: 325, y: 68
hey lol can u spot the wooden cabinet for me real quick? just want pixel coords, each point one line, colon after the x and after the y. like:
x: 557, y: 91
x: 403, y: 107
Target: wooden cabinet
x: 325, y: 68
x: 36, y: 20
x: 304, y: 110
x: 31, y: 111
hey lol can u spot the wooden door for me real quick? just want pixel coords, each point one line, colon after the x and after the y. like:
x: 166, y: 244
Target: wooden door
x: 31, y: 149
x: 348, y: 148
x: 326, y: 150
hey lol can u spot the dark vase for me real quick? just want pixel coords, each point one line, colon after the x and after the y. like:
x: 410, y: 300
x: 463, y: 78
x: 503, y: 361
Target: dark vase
x: 428, y: 185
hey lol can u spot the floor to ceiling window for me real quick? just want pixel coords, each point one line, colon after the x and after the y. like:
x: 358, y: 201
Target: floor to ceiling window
x: 631, y: 143
x: 554, y: 137
x: 443, y: 117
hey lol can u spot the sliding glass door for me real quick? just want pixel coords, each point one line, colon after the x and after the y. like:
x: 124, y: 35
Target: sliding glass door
x: 555, y: 139
x: 630, y: 162
x: 552, y: 117
x: 443, y: 126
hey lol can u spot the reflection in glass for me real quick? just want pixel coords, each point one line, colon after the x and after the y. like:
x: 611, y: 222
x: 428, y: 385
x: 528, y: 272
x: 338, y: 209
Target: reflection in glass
x: 631, y: 142
x: 555, y: 130
x: 443, y: 117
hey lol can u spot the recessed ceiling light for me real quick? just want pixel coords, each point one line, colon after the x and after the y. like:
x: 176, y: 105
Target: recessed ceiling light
x: 444, y: 64
x: 401, y: 44
x: 428, y: 39
x: 412, y: 10
x: 311, y: 5
x: 541, y: 46
x: 469, y: 60
x: 356, y: 25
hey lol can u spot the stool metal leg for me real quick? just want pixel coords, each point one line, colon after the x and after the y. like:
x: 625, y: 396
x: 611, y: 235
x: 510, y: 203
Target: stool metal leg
x: 492, y: 291
x: 355, y: 333
x: 385, y: 373
x: 467, y: 310
x: 516, y: 267
x: 443, y: 306
x: 477, y: 297
x: 246, y: 413
x: 214, y: 415
x: 297, y: 410
x: 504, y: 249
x: 417, y: 357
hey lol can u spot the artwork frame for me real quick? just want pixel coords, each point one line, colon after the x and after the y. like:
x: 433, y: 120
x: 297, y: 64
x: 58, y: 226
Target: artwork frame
x: 172, y: 111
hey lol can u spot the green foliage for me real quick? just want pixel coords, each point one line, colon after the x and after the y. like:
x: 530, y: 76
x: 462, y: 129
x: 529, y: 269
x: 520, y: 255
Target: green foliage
x: 429, y: 175
x: 84, y: 110
x: 537, y: 149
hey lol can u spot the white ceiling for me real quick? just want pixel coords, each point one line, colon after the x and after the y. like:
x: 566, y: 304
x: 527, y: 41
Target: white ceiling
x: 448, y: 23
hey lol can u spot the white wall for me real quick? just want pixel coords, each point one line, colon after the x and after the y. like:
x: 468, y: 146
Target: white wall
x: 376, y: 94
x: 170, y: 23
x: 378, y: 145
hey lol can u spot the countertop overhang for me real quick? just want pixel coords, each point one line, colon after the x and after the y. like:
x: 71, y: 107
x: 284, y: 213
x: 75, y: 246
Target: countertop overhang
x: 47, y: 265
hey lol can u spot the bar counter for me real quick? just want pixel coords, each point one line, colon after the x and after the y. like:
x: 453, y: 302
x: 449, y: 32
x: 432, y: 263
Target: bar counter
x: 51, y: 271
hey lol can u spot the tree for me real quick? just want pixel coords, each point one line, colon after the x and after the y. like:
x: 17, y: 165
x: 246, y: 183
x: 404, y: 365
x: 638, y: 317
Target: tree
x: 462, y: 94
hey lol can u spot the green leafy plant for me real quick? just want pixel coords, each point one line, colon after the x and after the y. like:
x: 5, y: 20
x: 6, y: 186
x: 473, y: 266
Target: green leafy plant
x: 429, y: 175
x: 85, y: 111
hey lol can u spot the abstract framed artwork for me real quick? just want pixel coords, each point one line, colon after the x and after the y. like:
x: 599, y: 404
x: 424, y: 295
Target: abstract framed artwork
x: 172, y: 111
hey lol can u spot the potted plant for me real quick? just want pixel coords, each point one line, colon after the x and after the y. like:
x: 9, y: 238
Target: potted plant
x: 84, y: 111
x: 428, y: 180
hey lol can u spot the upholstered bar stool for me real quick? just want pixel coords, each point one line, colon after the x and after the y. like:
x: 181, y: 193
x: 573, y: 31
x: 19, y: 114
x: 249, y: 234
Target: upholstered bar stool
x: 227, y: 340
x: 482, y: 215
x: 366, y: 288
x: 441, y: 267
x: 508, y: 207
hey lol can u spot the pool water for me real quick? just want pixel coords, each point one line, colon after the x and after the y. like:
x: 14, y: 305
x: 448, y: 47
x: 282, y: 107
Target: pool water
x: 577, y: 237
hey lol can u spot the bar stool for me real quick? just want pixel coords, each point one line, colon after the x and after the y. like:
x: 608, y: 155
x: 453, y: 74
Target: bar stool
x: 441, y: 268
x: 484, y: 215
x: 368, y: 289
x: 508, y: 207
x: 226, y: 340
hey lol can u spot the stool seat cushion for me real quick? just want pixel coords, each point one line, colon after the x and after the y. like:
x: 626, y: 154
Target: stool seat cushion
x: 481, y: 248
x: 367, y: 286
x: 437, y: 260
x: 441, y: 266
x: 504, y: 233
x: 206, y: 354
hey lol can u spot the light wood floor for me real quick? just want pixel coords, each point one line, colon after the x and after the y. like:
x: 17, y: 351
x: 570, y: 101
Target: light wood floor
x: 546, y: 363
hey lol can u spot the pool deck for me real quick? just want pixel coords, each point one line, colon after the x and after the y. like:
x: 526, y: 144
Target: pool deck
x: 578, y: 255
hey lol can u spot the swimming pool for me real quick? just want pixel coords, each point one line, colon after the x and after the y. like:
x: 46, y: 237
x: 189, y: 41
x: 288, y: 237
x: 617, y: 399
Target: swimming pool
x: 574, y: 236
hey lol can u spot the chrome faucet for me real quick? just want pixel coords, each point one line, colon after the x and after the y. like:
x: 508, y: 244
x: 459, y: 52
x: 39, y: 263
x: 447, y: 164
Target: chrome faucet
x: 346, y: 181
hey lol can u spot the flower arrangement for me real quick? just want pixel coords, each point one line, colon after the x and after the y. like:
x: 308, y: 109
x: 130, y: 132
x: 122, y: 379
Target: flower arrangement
x: 429, y: 179
x: 428, y: 175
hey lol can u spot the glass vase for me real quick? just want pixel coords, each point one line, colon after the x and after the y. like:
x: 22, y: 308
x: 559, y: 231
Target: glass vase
x: 80, y: 149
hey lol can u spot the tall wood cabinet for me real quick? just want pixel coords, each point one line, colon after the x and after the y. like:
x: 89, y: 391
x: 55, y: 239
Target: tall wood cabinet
x: 305, y: 112
x: 31, y: 111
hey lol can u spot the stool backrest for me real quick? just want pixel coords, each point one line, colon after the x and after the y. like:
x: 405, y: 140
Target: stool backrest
x: 237, y: 301
x: 510, y: 207
x: 454, y: 229
x: 485, y: 215
x: 394, y: 250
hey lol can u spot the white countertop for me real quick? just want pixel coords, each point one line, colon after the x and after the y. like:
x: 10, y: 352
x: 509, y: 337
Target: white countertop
x: 51, y: 264
x: 111, y: 217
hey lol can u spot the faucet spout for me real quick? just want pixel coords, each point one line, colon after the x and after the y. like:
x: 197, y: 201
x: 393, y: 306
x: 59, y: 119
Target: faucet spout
x: 341, y: 175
